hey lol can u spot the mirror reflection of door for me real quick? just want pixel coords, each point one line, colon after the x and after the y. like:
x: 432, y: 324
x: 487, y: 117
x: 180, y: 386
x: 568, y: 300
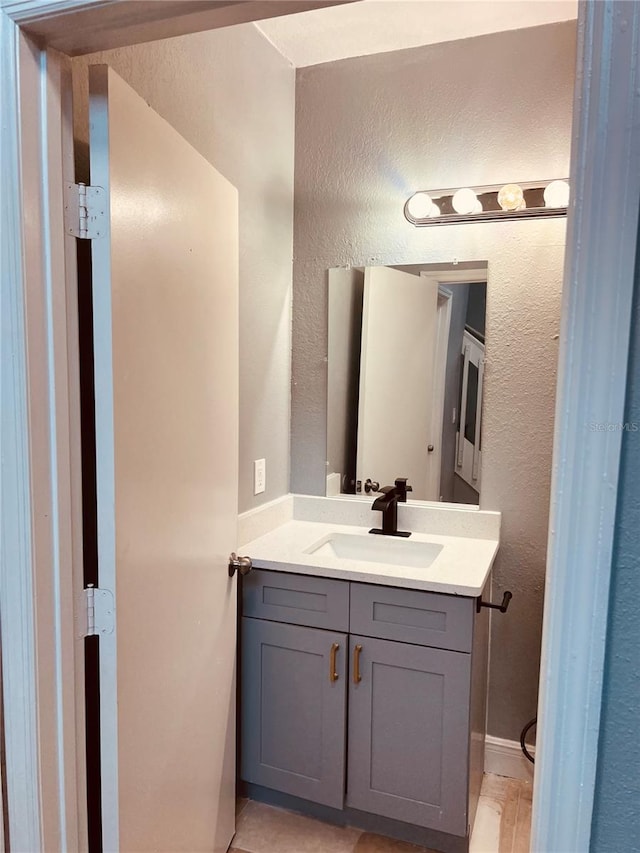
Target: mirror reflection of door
x: 395, y: 380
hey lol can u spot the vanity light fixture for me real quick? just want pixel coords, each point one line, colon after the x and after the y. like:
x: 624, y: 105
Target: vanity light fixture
x: 556, y: 194
x: 465, y: 201
x: 511, y: 197
x: 488, y: 203
x: 421, y: 206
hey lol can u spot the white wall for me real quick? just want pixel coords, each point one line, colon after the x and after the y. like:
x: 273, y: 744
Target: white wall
x: 369, y: 132
x: 232, y: 96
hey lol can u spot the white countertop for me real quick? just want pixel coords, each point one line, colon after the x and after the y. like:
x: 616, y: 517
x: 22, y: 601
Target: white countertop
x: 461, y: 568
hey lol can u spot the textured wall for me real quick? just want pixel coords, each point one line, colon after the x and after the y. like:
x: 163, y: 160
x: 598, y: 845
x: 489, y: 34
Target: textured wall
x: 616, y: 815
x: 232, y: 96
x: 371, y: 130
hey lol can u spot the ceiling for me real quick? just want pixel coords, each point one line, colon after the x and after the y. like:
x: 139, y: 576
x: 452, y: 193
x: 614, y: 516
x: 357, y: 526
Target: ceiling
x: 377, y: 26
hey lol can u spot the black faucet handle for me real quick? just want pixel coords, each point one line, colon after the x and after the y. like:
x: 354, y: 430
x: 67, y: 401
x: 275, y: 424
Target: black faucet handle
x: 402, y: 488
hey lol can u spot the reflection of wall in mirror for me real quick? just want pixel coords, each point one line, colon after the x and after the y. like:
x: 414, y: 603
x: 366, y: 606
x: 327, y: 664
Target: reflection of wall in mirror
x: 346, y: 288
x: 477, y: 310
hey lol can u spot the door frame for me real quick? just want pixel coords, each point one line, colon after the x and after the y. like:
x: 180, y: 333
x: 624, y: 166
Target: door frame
x: 599, y: 280
x: 36, y: 426
x: 439, y: 384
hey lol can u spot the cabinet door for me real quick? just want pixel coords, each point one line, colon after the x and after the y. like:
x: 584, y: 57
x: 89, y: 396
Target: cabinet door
x: 294, y: 709
x: 409, y: 733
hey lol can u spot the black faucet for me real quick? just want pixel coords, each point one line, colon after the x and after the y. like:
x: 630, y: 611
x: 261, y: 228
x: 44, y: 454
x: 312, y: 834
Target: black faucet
x: 388, y: 504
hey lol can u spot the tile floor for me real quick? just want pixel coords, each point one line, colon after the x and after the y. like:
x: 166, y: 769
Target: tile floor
x: 502, y: 826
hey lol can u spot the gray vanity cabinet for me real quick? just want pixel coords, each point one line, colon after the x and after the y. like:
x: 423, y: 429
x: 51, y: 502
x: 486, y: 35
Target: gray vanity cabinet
x: 402, y: 672
x: 408, y: 713
x: 294, y: 709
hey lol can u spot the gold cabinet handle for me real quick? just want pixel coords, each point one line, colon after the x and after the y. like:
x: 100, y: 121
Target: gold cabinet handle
x: 357, y: 678
x: 333, y: 672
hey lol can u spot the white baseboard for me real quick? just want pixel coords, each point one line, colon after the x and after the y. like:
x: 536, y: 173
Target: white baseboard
x: 505, y: 758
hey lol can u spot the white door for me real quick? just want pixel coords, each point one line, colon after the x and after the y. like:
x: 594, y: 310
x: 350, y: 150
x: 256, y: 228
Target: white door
x: 165, y: 299
x: 399, y: 331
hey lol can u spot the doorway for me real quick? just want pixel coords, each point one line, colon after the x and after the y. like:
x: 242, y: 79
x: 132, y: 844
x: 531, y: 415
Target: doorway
x: 611, y: 361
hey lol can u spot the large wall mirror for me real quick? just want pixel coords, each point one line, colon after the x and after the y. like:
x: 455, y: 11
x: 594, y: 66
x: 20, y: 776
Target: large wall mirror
x: 406, y: 349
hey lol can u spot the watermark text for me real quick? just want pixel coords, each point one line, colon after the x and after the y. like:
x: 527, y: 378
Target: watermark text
x: 629, y: 426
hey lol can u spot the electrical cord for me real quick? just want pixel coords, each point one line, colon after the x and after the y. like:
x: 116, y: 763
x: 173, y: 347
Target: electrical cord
x: 523, y: 735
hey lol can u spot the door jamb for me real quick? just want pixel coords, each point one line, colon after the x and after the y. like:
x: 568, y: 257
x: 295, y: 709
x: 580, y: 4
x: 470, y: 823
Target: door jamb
x: 437, y: 409
x: 38, y: 534
x: 601, y: 243
x: 599, y: 279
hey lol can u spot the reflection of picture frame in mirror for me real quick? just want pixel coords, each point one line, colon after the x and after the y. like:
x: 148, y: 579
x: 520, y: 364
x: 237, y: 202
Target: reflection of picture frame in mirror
x: 395, y: 379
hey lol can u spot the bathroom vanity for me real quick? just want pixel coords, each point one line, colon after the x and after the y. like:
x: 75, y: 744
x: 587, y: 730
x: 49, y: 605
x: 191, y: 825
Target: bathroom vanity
x: 363, y: 680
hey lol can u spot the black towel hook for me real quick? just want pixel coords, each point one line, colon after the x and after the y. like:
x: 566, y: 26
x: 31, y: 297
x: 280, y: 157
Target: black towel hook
x: 506, y: 598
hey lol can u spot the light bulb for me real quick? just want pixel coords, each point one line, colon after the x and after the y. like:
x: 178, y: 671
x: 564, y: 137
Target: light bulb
x: 478, y: 208
x: 511, y: 197
x: 464, y: 201
x: 419, y: 206
x: 556, y: 194
x: 435, y: 210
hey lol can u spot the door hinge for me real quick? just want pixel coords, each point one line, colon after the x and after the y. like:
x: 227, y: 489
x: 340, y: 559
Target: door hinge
x: 85, y: 211
x: 99, y: 608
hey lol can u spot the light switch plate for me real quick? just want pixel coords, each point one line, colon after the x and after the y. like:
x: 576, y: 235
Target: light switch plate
x: 259, y: 476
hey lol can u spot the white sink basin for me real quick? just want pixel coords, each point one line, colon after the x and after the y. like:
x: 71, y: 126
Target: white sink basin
x: 370, y: 548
